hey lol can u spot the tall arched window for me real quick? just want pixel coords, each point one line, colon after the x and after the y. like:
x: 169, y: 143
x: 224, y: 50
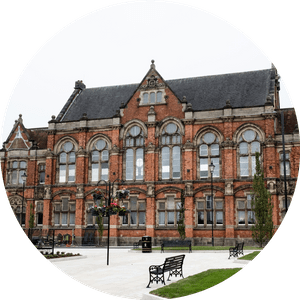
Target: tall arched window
x: 171, y: 152
x: 134, y: 142
x: 248, y: 145
x: 99, y: 159
x: 209, y: 152
x: 66, y: 161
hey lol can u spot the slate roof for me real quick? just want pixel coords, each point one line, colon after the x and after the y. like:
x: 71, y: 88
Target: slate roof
x: 245, y: 89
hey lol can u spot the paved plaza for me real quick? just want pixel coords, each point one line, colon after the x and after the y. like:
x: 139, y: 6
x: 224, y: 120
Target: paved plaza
x: 131, y: 268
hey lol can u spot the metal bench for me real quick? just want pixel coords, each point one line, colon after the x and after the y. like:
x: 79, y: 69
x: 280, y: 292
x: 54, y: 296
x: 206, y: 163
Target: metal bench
x: 176, y: 243
x: 137, y: 244
x: 237, y: 250
x: 173, y: 265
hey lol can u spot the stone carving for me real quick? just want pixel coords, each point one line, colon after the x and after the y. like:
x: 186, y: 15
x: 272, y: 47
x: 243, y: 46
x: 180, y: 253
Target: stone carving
x: 228, y: 143
x: 290, y: 186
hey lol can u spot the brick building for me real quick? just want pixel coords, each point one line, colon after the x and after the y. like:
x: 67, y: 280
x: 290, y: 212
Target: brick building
x: 159, y: 136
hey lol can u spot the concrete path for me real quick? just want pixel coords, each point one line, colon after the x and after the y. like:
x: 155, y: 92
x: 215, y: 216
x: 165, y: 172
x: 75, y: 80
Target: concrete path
x: 129, y: 269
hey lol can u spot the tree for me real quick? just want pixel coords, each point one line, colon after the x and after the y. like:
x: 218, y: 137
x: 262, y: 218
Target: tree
x: 262, y: 206
x: 181, y: 225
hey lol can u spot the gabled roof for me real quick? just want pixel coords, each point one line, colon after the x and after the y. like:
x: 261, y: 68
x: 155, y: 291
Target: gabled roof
x: 245, y: 89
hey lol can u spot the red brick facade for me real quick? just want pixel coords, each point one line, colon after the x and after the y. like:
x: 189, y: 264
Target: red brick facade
x: 154, y: 195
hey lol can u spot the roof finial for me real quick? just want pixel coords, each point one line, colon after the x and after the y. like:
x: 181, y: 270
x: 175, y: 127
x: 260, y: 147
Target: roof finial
x: 20, y: 120
x: 152, y: 64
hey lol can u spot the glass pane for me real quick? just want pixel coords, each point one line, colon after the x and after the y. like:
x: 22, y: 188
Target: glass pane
x: 71, y: 177
x: 133, y: 218
x: 176, y: 162
x: 72, y: 218
x: 125, y: 220
x: 203, y: 167
x: 56, y: 219
x: 219, y: 205
x: 216, y: 162
x: 95, y: 172
x: 200, y: 217
x: 139, y: 164
x: 63, y: 157
x: 241, y: 204
x: 141, y: 218
x: 152, y: 97
x: 89, y: 219
x: 165, y: 163
x: 68, y: 146
x: 62, y: 173
x: 22, y: 172
x: 133, y: 203
x: 161, y: 205
x: 42, y: 177
x: 170, y: 203
x: 251, y: 217
x: 95, y: 156
x: 64, y: 219
x: 129, y: 164
x: 208, y: 202
x: 200, y: 205
x: 170, y: 218
x: 104, y: 171
x: 219, y: 217
x: 142, y: 206
x: 15, y: 165
x: 209, y: 217
x: 215, y: 150
x: 101, y: 144
x: 161, y: 218
x: 72, y: 157
x: 203, y: 150
x: 244, y: 166
x: 287, y: 168
x: 249, y: 135
x: 22, y: 164
x: 253, y: 162
x: 14, y: 177
x: 135, y: 130
x: 209, y: 138
x: 171, y: 128
x: 158, y: 97
x: 241, y: 217
x: 243, y: 148
x: 255, y: 147
x: 145, y: 98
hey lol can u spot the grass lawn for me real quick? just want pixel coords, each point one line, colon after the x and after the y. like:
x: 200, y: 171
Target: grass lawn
x: 202, y: 248
x: 250, y: 256
x: 195, y: 283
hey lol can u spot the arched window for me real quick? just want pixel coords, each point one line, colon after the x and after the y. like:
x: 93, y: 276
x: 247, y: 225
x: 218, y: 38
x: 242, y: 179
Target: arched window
x: 171, y: 152
x: 134, y: 142
x: 66, y: 161
x: 99, y: 159
x: 248, y: 145
x: 209, y: 152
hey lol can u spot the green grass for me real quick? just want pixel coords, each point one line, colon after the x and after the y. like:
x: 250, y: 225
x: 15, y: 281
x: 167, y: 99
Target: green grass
x: 202, y: 248
x: 250, y: 256
x: 195, y: 283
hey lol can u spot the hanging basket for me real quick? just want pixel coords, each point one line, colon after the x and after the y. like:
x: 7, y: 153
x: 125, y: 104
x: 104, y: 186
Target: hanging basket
x: 95, y: 213
x: 122, y: 213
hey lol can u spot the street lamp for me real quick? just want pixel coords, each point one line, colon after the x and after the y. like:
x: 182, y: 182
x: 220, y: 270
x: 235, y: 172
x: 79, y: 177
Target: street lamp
x: 212, y: 168
x: 23, y: 176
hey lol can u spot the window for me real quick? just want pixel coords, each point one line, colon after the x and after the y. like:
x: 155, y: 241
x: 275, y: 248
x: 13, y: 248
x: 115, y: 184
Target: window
x: 16, y: 170
x: 137, y: 215
x: 152, y: 97
x: 284, y: 210
x: 99, y: 158
x: 171, y: 152
x: 42, y: 168
x: 168, y: 212
x: 134, y: 155
x: 19, y: 214
x: 39, y: 213
x: 66, y: 160
x: 209, y: 152
x: 90, y: 219
x: 287, y: 164
x: 248, y: 145
x: 245, y: 214
x: 205, y: 213
x: 64, y: 213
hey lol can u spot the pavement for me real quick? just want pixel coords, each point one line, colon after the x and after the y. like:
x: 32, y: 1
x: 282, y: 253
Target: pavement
x: 130, y: 268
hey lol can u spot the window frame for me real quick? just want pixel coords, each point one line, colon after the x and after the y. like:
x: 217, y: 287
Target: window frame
x: 18, y: 170
x: 166, y: 211
x: 67, y: 164
x: 64, y: 211
x: 125, y: 221
x: 100, y: 161
x: 246, y: 210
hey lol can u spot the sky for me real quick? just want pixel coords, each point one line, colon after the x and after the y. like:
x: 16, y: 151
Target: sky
x: 115, y: 46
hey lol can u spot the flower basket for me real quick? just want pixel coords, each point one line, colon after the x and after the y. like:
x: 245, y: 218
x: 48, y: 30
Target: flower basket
x: 122, y: 194
x: 124, y: 212
x: 95, y: 212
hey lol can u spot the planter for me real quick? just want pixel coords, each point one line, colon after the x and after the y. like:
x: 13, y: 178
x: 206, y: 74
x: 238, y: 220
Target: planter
x: 122, y: 213
x: 95, y: 213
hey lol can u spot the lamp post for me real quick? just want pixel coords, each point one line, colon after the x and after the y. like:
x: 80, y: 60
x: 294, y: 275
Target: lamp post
x: 23, y: 176
x: 212, y: 168
x: 108, y: 185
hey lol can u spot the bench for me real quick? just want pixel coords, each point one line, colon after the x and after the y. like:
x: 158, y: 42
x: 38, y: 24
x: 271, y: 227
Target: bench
x: 173, y: 265
x: 137, y: 244
x: 177, y: 243
x: 237, y: 250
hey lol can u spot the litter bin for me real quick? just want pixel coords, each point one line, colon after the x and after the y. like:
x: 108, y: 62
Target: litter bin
x: 146, y: 244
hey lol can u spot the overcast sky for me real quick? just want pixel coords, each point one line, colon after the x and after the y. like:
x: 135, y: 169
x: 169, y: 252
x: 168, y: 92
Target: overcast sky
x: 115, y: 46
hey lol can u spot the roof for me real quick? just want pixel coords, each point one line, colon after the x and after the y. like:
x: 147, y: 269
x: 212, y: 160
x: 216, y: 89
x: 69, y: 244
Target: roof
x: 245, y: 89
